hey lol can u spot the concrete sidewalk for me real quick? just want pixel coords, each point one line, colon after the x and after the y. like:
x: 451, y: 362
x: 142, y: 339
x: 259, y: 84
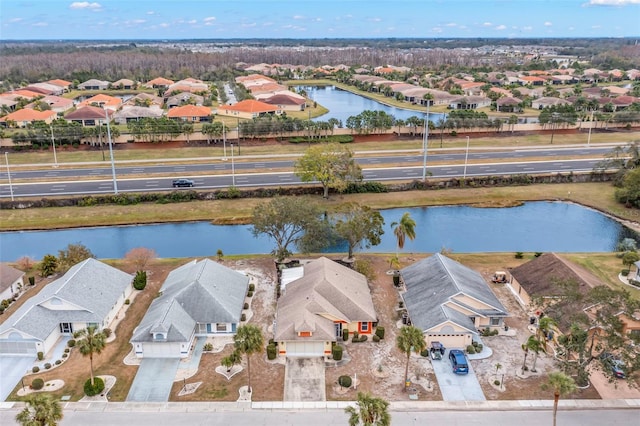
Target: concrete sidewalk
x: 398, y: 406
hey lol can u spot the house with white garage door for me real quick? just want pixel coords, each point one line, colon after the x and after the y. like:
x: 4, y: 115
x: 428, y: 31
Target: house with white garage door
x: 90, y: 293
x: 201, y: 298
x: 316, y: 307
x: 448, y: 301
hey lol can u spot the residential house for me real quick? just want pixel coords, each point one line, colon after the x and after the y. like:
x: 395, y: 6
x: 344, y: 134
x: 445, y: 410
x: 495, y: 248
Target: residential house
x: 102, y: 101
x: 57, y: 103
x: 25, y: 116
x: 183, y: 99
x: 11, y: 281
x: 286, y: 102
x: 314, y: 309
x: 190, y: 113
x: 91, y: 293
x: 144, y: 100
x: 7, y: 104
x: 469, y: 102
x: 46, y: 88
x: 136, y: 113
x: 448, y: 301
x: 64, y: 84
x: 531, y: 80
x: 124, y: 84
x: 249, y: 109
x: 509, y: 104
x: 94, y: 84
x: 200, y: 298
x: 87, y: 116
x: 158, y: 82
x: 548, y: 101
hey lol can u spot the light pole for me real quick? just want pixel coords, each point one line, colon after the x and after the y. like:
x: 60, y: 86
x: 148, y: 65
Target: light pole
x: 113, y: 164
x: 53, y: 142
x: 590, y: 127
x: 6, y: 158
x: 466, y: 157
x: 425, y: 143
x: 233, y: 170
x: 224, y: 142
x: 554, y: 116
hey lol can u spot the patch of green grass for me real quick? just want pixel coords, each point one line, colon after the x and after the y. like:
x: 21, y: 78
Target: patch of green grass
x: 216, y: 392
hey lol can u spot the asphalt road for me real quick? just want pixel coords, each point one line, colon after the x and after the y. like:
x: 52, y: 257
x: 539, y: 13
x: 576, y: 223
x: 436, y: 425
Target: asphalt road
x: 265, y: 179
x: 153, y: 416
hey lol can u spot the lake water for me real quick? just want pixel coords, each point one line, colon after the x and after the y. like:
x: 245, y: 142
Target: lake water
x: 532, y: 227
x: 343, y: 104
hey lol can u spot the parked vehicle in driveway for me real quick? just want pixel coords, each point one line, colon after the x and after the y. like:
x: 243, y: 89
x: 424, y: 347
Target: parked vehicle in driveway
x: 458, y: 361
x: 616, y: 365
x: 182, y: 182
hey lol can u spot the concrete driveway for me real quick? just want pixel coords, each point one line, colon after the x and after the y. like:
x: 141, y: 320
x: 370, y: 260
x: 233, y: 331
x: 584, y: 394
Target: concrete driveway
x: 304, y: 380
x: 12, y: 369
x: 456, y: 387
x: 153, y: 380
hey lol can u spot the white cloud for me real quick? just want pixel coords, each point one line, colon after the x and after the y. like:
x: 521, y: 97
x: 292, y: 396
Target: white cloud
x: 571, y: 28
x: 501, y: 27
x: 610, y: 2
x: 193, y: 21
x: 209, y: 19
x: 451, y: 24
x: 151, y: 12
x: 487, y: 24
x: 375, y: 19
x: 595, y: 27
x: 164, y: 25
x: 14, y: 20
x: 248, y: 25
x: 85, y: 5
x: 548, y: 24
x: 134, y: 22
x: 298, y: 17
x: 436, y: 29
x: 40, y: 24
x: 318, y: 19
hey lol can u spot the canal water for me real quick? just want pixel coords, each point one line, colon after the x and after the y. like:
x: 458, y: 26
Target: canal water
x: 531, y: 227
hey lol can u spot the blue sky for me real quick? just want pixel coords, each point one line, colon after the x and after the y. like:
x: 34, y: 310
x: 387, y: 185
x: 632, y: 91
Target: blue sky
x: 201, y: 19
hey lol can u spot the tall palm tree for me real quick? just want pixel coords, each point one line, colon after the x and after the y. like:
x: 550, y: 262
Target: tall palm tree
x: 534, y: 345
x: 369, y: 411
x: 544, y: 327
x: 41, y: 410
x: 410, y: 339
x: 248, y: 340
x: 561, y: 385
x: 89, y: 342
x: 404, y: 229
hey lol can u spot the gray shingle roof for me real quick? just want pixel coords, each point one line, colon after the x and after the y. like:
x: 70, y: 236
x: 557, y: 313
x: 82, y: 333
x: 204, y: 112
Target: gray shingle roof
x: 437, y: 280
x: 92, y: 286
x: 199, y: 292
x: 326, y: 288
x: 8, y: 276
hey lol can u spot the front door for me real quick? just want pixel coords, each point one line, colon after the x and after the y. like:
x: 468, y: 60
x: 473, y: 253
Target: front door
x: 338, y: 329
x: 66, y: 328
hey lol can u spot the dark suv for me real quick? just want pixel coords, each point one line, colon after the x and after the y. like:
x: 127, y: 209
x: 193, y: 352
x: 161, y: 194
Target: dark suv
x: 182, y: 182
x: 458, y: 361
x: 613, y: 363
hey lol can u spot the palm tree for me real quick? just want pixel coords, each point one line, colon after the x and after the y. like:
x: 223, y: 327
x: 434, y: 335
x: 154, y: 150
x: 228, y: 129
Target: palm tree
x: 404, y: 229
x: 410, y: 339
x: 534, y: 345
x: 369, y: 411
x: 41, y: 410
x: 248, y: 340
x: 89, y: 341
x: 561, y: 385
x: 544, y: 327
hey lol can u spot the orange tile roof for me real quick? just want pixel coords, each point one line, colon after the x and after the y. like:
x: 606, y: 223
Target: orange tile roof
x: 61, y: 83
x: 26, y: 93
x: 532, y: 78
x: 102, y: 99
x: 250, y: 106
x: 28, y: 114
x: 160, y: 81
x: 189, y: 111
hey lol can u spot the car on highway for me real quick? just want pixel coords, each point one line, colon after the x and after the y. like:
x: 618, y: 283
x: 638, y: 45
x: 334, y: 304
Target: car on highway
x: 458, y: 361
x: 614, y: 364
x: 182, y: 183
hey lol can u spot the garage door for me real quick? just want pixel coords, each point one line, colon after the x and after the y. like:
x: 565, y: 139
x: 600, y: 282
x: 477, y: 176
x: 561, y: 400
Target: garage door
x: 305, y: 348
x: 448, y: 341
x: 161, y: 350
x: 17, y: 348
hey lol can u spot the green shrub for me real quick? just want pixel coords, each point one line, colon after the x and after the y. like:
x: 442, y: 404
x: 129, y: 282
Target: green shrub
x: 624, y: 272
x: 71, y: 343
x: 98, y: 386
x: 32, y: 280
x: 375, y: 338
x: 345, y: 335
x: 246, y: 306
x: 127, y: 302
x: 37, y: 384
x: 425, y: 353
x: 518, y: 255
x: 252, y: 287
x: 496, y: 382
x: 250, y: 294
x: 107, y: 332
x: 66, y: 350
x: 208, y: 347
x: 345, y: 381
x: 40, y: 356
x: 380, y: 332
x: 537, y: 254
x: 243, y: 317
x: 272, y: 351
x: 35, y: 369
x: 356, y: 334
x: 64, y: 355
x: 140, y: 280
x: 336, y: 352
x: 47, y: 365
x: 58, y: 361
x: 471, y: 349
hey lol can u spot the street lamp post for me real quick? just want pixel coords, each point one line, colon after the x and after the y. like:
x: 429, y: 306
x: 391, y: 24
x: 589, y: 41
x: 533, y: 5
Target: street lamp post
x: 466, y: 157
x: 113, y: 164
x: 554, y: 117
x: 233, y: 170
x: 590, y: 127
x: 6, y: 158
x: 425, y: 143
x: 224, y: 142
x: 53, y: 142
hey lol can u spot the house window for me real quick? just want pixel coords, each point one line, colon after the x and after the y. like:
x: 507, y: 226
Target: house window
x: 221, y: 326
x: 364, y: 326
x: 66, y: 328
x: 495, y: 321
x: 304, y: 334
